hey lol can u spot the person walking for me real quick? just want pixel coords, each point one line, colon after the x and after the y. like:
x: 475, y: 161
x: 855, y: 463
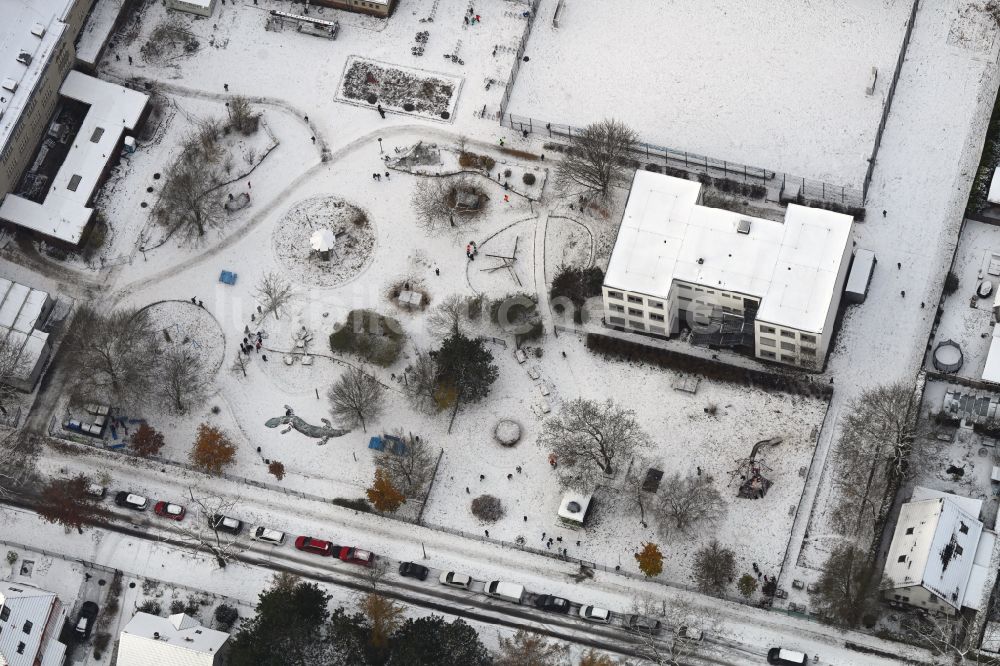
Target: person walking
x: 381, y: 111
x: 387, y: 175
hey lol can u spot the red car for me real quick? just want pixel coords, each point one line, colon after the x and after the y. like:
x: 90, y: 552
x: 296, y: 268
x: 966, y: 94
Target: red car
x: 315, y: 546
x: 357, y: 556
x: 168, y: 510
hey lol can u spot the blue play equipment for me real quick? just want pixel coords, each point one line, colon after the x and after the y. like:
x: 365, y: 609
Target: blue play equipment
x: 393, y: 444
x: 228, y: 277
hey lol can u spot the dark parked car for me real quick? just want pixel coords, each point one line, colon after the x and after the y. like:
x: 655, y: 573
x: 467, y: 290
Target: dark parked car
x: 130, y: 501
x: 783, y: 657
x: 644, y: 625
x: 225, y: 524
x: 547, y: 602
x: 86, y: 620
x: 411, y: 570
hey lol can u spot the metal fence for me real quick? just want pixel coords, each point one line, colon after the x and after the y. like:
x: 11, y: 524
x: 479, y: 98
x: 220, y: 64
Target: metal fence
x: 781, y: 186
x: 533, y: 12
x: 889, y: 95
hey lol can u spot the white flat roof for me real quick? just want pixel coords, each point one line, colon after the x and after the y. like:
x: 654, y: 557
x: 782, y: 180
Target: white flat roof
x: 993, y: 196
x: 18, y: 20
x: 791, y: 266
x: 97, y: 29
x: 150, y: 639
x: 64, y: 213
x: 970, y: 505
x: 20, y: 310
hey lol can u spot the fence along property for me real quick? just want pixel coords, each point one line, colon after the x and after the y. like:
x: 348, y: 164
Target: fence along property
x: 781, y: 187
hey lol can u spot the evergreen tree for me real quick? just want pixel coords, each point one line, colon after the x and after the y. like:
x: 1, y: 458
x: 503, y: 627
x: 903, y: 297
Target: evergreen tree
x: 466, y: 367
x: 429, y: 641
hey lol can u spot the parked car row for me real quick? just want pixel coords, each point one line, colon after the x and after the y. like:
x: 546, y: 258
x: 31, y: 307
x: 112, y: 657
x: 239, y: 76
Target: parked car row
x: 139, y: 503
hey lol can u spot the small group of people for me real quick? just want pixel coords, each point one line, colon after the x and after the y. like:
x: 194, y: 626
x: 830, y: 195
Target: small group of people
x: 378, y: 176
x: 472, y: 17
x: 249, y: 344
x: 471, y: 250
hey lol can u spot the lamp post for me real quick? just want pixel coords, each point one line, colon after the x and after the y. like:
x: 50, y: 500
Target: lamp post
x: 380, y: 145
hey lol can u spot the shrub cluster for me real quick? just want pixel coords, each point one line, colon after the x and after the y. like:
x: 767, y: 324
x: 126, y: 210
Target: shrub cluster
x: 488, y: 508
x: 373, y: 337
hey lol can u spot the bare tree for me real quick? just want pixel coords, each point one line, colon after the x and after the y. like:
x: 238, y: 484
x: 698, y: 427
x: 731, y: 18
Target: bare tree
x: 114, y: 357
x: 687, y: 500
x: 848, y: 589
x: 240, y: 363
x: 183, y: 380
x: 443, y: 201
x: 209, y: 510
x: 527, y: 649
x: 675, y: 648
x: 12, y: 367
x: 449, y: 316
x: 242, y: 116
x: 421, y: 383
x: 596, y: 161
x: 190, y: 200
x: 412, y: 469
x: 714, y: 567
x: 356, y: 398
x: 876, y: 438
x: 18, y: 456
x: 274, y: 292
x: 952, y: 639
x: 590, y: 440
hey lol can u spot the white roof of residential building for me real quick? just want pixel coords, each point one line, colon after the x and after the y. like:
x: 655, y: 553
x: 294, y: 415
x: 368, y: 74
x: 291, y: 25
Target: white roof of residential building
x: 937, y: 541
x: 993, y: 196
x: 175, y: 641
x: 21, y: 308
x: 45, y: 613
x: 64, y: 213
x: 971, y: 505
x: 19, y: 28
x: 792, y: 266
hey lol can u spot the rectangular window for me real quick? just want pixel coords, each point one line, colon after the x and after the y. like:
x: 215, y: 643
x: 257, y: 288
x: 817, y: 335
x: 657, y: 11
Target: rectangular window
x: 616, y: 308
x: 933, y: 599
x: 96, y: 136
x: 27, y: 626
x: 766, y: 342
x: 767, y: 354
x: 74, y: 182
x: 909, y: 530
x: 657, y: 305
x: 808, y: 351
x: 787, y: 359
x: 655, y: 317
x: 634, y: 312
x: 637, y: 325
x: 709, y: 291
x: 766, y: 329
x: 963, y: 528
x: 634, y: 299
x: 615, y: 294
x: 788, y: 346
x: 617, y: 321
x: 659, y: 330
x: 681, y: 285
x: 20, y: 648
x: 958, y: 550
x: 683, y: 298
x: 805, y: 337
x: 4, y: 614
x: 788, y: 334
x: 901, y: 559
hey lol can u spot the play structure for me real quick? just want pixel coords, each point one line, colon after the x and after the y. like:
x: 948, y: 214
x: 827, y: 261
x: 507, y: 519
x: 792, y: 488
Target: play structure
x: 751, y: 470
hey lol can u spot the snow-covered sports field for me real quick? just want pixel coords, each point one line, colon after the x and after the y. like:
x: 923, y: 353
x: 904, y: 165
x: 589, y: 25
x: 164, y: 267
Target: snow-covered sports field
x: 780, y: 85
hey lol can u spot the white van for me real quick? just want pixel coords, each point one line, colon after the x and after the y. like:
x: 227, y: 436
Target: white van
x: 267, y: 535
x: 507, y: 591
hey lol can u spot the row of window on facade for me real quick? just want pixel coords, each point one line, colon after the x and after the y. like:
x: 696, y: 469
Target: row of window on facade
x: 632, y: 298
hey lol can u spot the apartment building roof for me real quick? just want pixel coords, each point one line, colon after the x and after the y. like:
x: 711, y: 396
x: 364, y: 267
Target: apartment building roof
x: 32, y: 29
x: 64, y: 214
x: 791, y: 266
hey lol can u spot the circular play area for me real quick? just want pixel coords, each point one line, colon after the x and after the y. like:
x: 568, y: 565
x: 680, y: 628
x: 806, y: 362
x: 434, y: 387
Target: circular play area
x: 948, y: 356
x: 324, y: 241
x: 507, y: 432
x: 184, y: 325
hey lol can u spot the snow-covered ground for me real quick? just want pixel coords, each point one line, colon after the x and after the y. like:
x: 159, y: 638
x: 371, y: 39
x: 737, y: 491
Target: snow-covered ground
x: 946, y: 89
x: 966, y: 318
x: 779, y: 85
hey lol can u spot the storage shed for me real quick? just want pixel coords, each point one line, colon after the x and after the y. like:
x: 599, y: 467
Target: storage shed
x: 860, y: 276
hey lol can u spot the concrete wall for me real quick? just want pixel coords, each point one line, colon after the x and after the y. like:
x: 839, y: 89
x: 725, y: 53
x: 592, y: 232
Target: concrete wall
x: 192, y: 8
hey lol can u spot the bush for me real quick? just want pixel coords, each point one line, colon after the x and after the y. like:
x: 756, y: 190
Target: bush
x: 506, y: 173
x: 950, y: 283
x: 487, y: 162
x: 655, y: 168
x: 408, y: 106
x: 528, y: 178
x: 519, y: 309
x: 151, y: 606
x: 470, y: 160
x: 373, y: 337
x: 488, y: 508
x: 360, y: 504
x: 577, y: 284
x: 226, y: 616
x: 177, y: 606
x: 101, y: 642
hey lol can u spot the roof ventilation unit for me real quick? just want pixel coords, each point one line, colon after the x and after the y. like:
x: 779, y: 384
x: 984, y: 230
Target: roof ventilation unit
x: 24, y: 58
x: 743, y: 227
x: 9, y: 84
x: 38, y: 30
